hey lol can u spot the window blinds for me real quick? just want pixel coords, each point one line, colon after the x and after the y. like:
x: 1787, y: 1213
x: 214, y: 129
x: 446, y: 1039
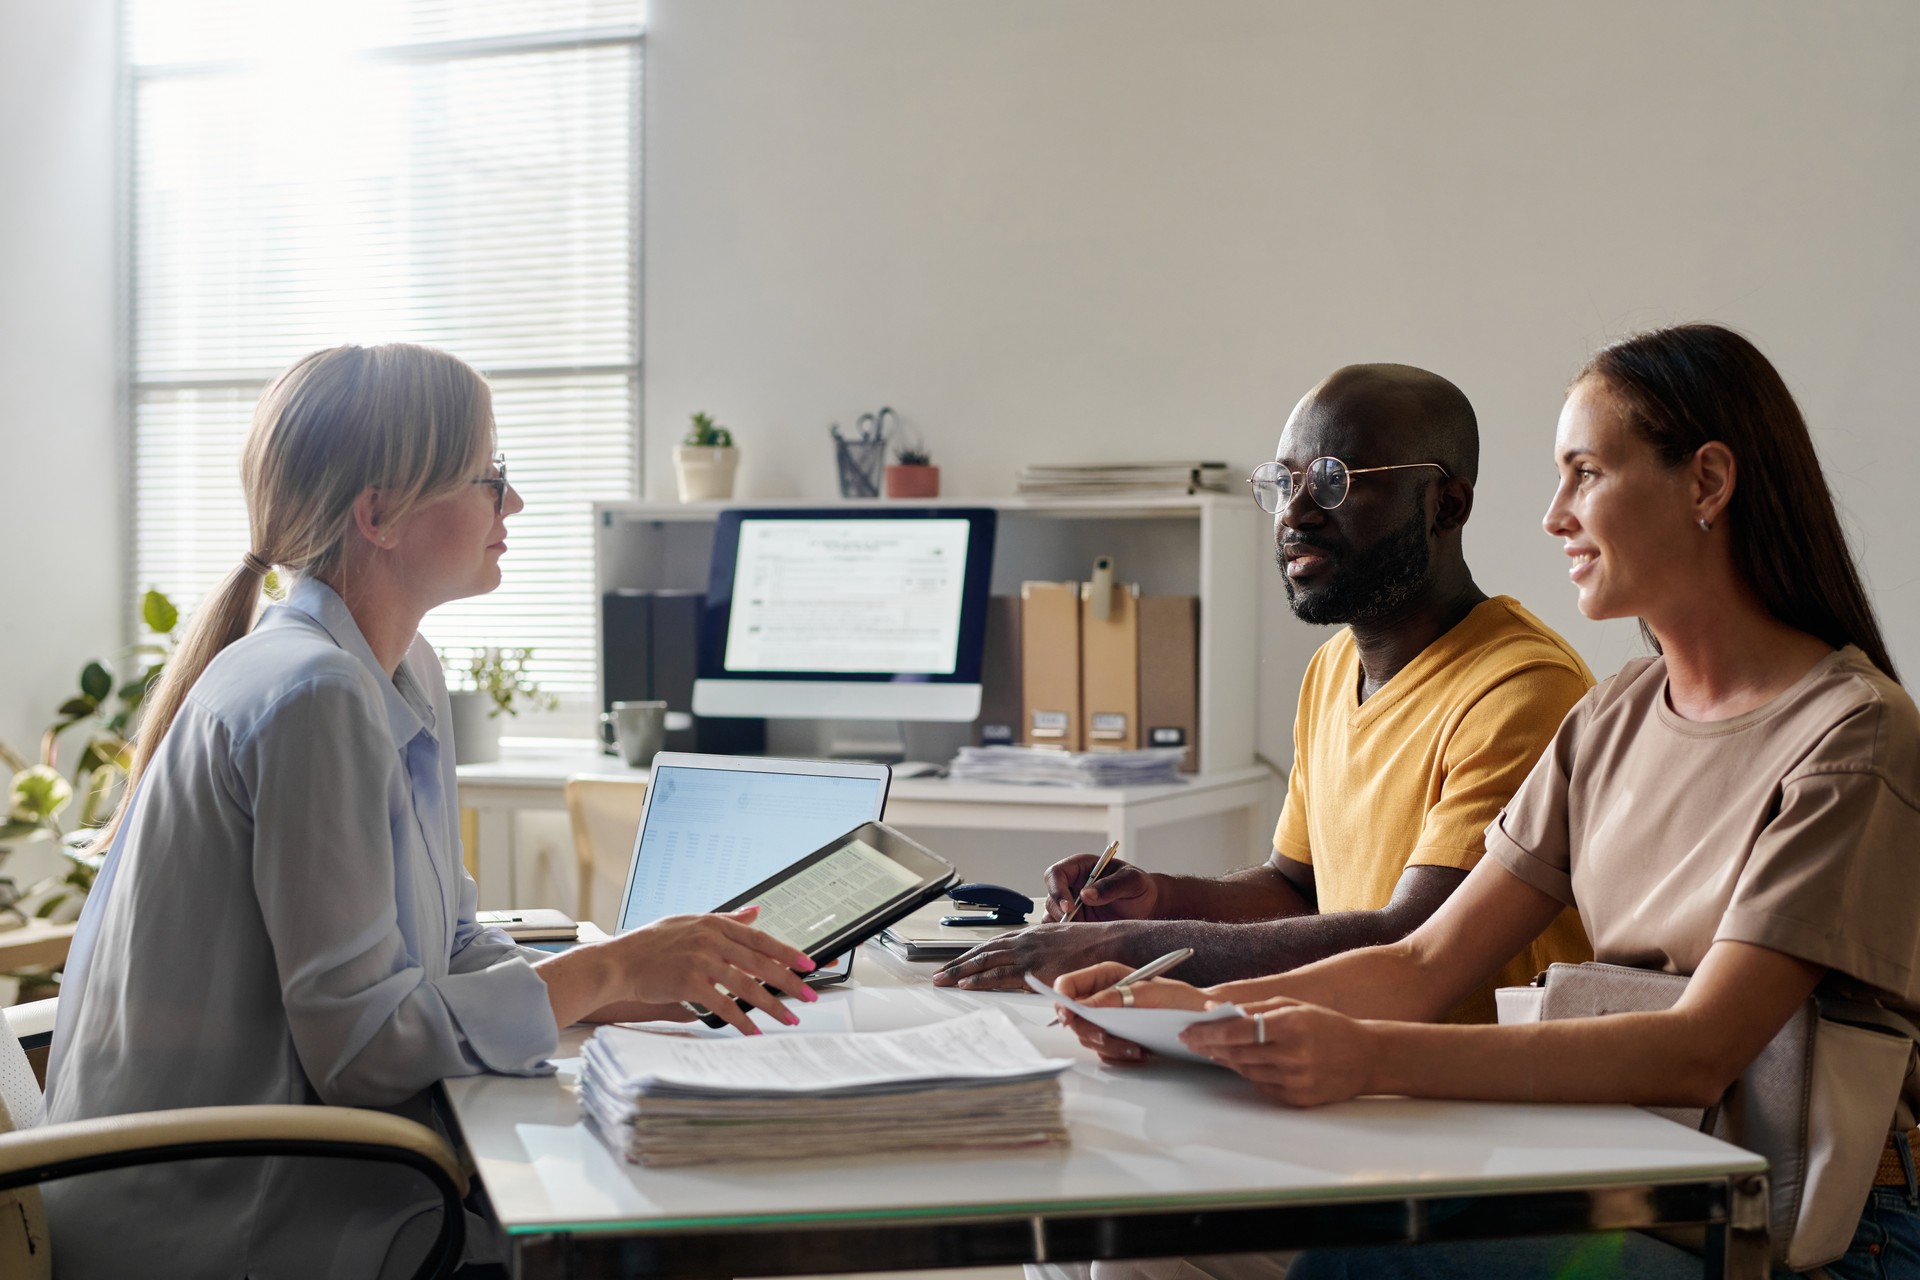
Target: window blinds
x: 464, y: 174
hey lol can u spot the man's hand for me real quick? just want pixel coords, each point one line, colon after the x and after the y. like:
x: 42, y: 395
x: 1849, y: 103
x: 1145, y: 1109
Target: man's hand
x: 1044, y: 950
x: 1123, y: 891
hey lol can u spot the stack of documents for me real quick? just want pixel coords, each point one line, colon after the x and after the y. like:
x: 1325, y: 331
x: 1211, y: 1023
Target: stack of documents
x: 1040, y: 766
x: 671, y: 1099
x: 1102, y: 480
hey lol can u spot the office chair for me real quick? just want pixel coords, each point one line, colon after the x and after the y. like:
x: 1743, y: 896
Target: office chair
x: 605, y: 815
x: 32, y: 1152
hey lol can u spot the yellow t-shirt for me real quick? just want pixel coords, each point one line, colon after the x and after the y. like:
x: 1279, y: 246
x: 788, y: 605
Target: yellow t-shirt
x: 1414, y: 775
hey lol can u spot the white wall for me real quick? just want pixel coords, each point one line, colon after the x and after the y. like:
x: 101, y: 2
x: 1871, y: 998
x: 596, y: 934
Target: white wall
x: 62, y: 499
x: 1102, y: 229
x: 1086, y: 229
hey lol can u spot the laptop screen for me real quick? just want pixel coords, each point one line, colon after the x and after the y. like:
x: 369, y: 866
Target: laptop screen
x: 710, y: 834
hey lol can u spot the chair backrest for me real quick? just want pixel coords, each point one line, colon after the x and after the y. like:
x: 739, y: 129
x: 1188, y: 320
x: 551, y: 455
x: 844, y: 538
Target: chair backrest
x: 25, y: 1251
x: 605, y: 815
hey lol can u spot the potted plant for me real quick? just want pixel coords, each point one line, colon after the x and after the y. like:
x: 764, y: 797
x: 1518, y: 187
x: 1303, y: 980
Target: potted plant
x: 912, y: 474
x: 488, y: 683
x: 104, y: 709
x: 705, y: 461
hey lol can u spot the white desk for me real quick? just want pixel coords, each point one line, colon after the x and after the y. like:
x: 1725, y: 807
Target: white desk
x: 1165, y: 1159
x: 499, y: 790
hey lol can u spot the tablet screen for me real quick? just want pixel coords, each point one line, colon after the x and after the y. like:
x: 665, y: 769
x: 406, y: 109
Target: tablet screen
x: 853, y: 881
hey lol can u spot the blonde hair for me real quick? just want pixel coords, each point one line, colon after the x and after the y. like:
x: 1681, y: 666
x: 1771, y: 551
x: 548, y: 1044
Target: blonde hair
x: 410, y: 421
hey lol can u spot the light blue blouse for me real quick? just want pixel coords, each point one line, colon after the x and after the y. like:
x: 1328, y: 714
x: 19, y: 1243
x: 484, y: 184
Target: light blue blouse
x: 285, y: 919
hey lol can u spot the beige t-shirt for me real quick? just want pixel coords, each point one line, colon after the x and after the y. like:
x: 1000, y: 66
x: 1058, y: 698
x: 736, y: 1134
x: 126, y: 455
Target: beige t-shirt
x: 1794, y: 827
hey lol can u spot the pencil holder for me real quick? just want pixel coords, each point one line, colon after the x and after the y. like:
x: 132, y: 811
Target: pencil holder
x: 862, y: 458
x: 859, y: 463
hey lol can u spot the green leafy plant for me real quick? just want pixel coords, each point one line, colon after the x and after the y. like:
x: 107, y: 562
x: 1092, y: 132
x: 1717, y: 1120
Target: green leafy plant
x: 913, y: 455
x: 501, y: 674
x: 104, y: 712
x: 708, y: 434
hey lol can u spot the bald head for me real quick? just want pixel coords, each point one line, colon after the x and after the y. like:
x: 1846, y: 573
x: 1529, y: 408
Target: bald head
x: 1388, y: 547
x: 1407, y: 413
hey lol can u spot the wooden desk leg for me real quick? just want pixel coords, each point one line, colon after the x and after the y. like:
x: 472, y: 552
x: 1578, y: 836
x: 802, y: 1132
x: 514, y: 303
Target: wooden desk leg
x: 470, y: 841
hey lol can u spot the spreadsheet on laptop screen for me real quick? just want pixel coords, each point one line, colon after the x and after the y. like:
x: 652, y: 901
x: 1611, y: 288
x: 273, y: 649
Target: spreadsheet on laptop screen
x: 712, y: 834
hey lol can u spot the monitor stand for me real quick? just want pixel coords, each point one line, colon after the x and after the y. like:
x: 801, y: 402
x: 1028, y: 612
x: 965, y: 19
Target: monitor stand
x: 881, y: 741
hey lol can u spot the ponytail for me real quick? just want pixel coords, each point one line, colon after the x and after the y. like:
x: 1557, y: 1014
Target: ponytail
x: 410, y: 421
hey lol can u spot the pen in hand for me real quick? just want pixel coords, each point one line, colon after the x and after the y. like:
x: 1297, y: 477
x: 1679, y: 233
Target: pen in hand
x: 1151, y: 969
x: 1099, y: 869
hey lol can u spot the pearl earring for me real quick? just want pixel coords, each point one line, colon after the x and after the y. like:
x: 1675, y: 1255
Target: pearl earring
x: 1705, y: 525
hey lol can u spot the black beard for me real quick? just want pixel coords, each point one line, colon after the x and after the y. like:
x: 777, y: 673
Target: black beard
x: 1374, y: 584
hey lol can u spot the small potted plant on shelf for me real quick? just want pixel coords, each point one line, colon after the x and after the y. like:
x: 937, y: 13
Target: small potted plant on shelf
x: 705, y: 461
x: 484, y: 685
x: 912, y: 474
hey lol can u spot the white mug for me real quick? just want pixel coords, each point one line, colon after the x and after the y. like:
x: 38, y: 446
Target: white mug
x: 639, y: 729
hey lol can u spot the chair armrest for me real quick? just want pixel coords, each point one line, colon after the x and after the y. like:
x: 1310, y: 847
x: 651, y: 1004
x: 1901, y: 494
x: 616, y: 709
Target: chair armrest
x: 51, y: 1151
x: 32, y: 1022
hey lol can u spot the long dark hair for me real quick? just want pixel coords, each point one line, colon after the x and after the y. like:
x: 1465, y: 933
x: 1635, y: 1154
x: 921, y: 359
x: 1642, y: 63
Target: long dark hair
x: 1694, y: 383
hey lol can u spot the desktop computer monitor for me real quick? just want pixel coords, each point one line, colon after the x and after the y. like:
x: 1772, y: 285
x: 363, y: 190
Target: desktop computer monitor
x: 846, y: 614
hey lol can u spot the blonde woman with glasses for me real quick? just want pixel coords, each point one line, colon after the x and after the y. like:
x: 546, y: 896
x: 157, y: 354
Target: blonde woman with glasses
x: 284, y: 914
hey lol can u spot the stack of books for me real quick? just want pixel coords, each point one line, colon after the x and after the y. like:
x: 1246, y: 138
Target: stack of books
x: 669, y: 1098
x: 1108, y: 479
x: 1044, y: 766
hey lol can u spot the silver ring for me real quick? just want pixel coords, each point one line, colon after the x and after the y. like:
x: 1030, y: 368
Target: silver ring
x: 1259, y: 1028
x: 1126, y: 996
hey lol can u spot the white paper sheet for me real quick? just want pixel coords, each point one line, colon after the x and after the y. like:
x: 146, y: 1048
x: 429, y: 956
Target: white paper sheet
x: 977, y: 1046
x: 1155, y: 1029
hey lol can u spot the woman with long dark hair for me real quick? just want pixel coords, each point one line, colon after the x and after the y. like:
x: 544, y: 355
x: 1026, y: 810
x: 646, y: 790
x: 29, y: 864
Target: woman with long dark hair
x: 1742, y: 808
x: 284, y: 915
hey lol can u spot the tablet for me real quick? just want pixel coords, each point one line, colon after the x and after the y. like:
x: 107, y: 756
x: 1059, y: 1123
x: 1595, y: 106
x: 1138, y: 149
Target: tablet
x: 844, y: 892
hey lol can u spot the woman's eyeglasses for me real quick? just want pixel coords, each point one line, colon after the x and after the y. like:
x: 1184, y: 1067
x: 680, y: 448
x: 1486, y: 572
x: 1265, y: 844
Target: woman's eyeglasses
x: 1328, y: 480
x: 496, y: 481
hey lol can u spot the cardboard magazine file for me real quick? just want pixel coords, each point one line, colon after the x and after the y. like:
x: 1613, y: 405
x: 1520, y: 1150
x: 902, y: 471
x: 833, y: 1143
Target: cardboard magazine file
x: 1110, y: 668
x: 1170, y: 675
x: 1050, y: 664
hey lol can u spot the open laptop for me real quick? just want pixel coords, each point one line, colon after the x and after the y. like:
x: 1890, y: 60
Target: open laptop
x: 715, y: 826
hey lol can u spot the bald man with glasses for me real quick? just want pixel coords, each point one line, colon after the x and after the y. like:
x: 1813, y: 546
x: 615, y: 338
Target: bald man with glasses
x: 1416, y: 723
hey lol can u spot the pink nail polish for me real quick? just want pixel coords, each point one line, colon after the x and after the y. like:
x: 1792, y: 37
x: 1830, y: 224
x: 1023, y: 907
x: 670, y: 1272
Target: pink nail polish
x: 809, y: 994
x: 806, y: 965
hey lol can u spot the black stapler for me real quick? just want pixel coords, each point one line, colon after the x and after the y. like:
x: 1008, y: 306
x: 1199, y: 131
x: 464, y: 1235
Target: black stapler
x: 1004, y: 906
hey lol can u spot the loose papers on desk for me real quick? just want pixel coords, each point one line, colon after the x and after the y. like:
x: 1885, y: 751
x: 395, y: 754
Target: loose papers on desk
x: 1155, y: 1029
x: 971, y: 1081
x: 1037, y: 766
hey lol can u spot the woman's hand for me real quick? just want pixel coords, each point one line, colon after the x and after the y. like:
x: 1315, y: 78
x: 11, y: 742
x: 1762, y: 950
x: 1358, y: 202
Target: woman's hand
x: 1094, y: 986
x: 1299, y: 1054
x: 650, y: 970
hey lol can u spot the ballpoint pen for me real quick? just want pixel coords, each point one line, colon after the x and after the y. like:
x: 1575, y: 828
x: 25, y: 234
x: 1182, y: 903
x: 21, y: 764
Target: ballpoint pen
x: 1151, y: 969
x: 1099, y: 869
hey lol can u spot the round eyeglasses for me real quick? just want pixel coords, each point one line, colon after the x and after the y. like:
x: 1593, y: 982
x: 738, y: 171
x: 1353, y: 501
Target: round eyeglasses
x: 496, y: 480
x: 1328, y: 480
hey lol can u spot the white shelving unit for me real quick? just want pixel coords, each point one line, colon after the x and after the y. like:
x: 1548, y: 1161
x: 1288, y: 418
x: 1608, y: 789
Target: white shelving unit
x: 1210, y: 545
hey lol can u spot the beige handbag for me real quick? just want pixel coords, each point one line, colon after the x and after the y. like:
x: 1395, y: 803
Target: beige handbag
x: 1818, y: 1102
